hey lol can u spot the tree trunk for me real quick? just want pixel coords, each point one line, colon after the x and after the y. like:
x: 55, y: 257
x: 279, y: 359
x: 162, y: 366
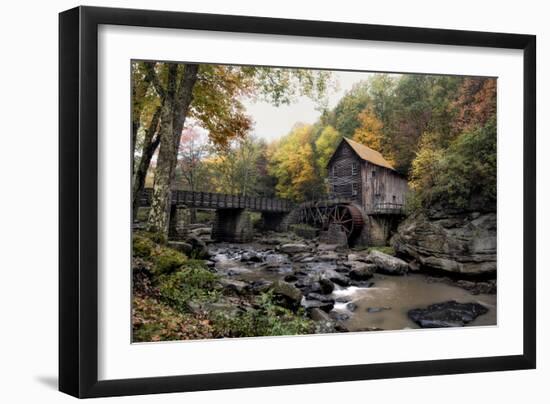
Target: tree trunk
x: 183, y: 101
x: 150, y: 144
x: 160, y: 203
x: 139, y: 93
x: 173, y: 115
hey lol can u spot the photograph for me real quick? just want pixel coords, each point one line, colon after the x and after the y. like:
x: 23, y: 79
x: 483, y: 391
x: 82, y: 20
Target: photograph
x: 276, y: 201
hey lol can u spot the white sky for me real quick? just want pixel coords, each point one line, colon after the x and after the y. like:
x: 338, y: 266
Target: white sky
x: 272, y: 122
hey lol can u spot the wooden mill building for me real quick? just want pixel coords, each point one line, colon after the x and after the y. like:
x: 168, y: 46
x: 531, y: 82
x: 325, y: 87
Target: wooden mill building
x: 362, y: 175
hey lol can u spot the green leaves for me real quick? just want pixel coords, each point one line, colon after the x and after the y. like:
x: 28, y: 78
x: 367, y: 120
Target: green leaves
x: 462, y: 176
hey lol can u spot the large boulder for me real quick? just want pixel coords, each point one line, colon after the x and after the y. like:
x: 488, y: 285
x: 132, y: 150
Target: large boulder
x: 459, y: 243
x: 387, y: 263
x: 447, y: 314
x: 286, y: 294
x: 361, y: 271
x: 198, y: 247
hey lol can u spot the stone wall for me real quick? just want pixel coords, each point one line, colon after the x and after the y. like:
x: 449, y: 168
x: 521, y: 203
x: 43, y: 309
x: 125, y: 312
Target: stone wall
x: 180, y: 217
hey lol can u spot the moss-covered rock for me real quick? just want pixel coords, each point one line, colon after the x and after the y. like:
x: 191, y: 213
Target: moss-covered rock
x: 167, y: 261
x: 142, y: 247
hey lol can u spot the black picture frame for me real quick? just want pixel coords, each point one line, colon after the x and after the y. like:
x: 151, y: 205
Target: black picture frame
x: 78, y: 201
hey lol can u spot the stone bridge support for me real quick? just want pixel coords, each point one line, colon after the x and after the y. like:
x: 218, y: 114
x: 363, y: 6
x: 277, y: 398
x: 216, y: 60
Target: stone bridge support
x: 232, y: 225
x: 179, y: 219
x: 377, y: 230
x: 274, y: 221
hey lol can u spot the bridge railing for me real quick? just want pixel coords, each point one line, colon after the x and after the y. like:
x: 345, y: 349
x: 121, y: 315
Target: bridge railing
x: 220, y: 201
x: 387, y: 208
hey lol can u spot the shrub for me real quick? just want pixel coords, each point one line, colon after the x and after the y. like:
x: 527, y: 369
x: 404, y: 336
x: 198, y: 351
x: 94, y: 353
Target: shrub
x: 142, y: 246
x: 193, y: 282
x: 266, y: 319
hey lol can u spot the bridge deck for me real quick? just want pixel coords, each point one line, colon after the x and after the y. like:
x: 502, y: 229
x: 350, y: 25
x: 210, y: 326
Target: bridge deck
x: 211, y: 200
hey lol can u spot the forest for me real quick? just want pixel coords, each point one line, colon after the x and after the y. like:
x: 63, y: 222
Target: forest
x: 192, y: 131
x: 439, y: 131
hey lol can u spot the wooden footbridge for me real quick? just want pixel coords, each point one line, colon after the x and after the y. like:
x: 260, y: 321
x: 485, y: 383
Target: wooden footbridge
x: 211, y: 200
x: 232, y: 223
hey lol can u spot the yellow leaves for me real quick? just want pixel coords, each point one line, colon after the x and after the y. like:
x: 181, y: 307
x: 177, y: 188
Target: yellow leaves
x: 369, y: 132
x: 293, y: 163
x: 326, y: 145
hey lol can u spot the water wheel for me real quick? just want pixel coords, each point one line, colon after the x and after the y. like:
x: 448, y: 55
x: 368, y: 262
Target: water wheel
x: 347, y: 216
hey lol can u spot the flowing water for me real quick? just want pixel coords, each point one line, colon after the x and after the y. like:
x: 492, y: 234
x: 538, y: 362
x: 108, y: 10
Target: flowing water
x: 386, y: 303
x: 381, y: 303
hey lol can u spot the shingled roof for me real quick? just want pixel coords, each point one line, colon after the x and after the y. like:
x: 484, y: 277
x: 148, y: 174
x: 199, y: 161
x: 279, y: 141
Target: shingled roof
x: 367, y: 154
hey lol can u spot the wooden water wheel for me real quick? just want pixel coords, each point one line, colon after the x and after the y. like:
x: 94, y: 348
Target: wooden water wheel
x: 347, y: 216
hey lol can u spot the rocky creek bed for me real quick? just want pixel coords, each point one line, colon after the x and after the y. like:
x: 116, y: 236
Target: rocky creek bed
x: 347, y: 290
x: 281, y: 284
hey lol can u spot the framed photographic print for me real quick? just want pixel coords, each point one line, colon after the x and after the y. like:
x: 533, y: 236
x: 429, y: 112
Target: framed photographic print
x: 250, y: 201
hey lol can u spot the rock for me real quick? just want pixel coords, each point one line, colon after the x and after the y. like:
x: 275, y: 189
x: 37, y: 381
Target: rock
x: 308, y: 285
x: 342, y: 299
x: 460, y: 243
x: 251, y: 256
x: 388, y: 264
x: 326, y: 285
x: 447, y: 314
x: 351, y: 307
x: 324, y: 324
x: 357, y: 256
x: 276, y: 260
x: 326, y: 247
x: 319, y: 297
x: 377, y: 309
x: 198, y: 247
x: 335, y: 277
x: 338, y: 316
x: 361, y: 271
x: 234, y: 285
x: 293, y: 248
x: 287, y: 294
x: 342, y: 268
x: 290, y: 278
x: 329, y: 256
x: 201, y: 231
x: 180, y: 246
x: 476, y: 288
x: 319, y: 315
x: 310, y: 304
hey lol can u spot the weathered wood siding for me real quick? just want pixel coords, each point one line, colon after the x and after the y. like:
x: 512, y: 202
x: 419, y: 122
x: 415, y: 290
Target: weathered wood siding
x: 341, y: 178
x: 381, y: 185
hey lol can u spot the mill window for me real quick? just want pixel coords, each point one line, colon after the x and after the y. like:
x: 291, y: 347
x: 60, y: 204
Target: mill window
x: 354, y: 188
x: 354, y: 168
x: 373, y: 173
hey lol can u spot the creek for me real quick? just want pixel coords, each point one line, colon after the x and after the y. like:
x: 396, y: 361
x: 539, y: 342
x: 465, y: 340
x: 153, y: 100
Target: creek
x: 381, y: 302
